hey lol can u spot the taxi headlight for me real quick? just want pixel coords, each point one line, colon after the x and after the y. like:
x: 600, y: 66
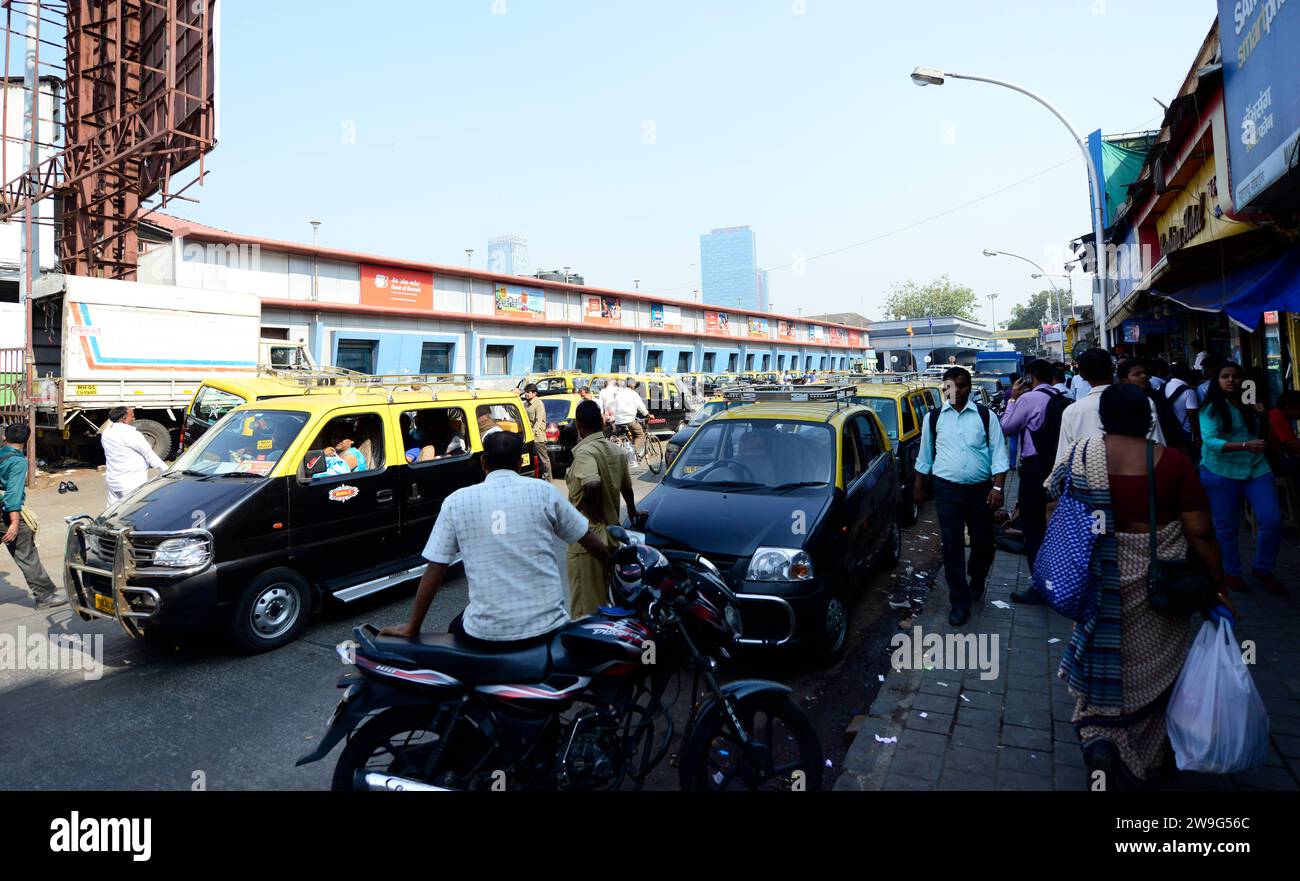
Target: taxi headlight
x: 182, y: 553
x: 780, y: 564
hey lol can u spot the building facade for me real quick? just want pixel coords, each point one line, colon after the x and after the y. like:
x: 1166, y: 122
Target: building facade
x: 906, y: 344
x: 729, y: 269
x: 381, y: 315
x: 508, y: 255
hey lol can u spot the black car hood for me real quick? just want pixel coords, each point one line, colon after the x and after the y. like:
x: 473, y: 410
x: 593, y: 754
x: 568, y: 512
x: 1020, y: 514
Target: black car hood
x: 731, y: 523
x: 169, y: 503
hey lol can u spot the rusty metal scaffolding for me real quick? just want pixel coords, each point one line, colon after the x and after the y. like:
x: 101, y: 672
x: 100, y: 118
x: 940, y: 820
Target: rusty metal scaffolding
x: 140, y: 110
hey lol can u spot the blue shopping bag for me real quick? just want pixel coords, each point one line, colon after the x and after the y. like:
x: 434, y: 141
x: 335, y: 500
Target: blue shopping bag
x: 1061, y: 568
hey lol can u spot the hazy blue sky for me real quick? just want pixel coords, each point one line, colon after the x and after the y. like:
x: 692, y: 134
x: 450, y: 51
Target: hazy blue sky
x: 613, y: 133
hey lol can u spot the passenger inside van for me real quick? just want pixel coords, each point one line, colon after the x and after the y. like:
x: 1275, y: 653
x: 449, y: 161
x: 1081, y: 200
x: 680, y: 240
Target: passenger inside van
x: 341, y: 456
x: 349, y: 444
x: 435, y: 434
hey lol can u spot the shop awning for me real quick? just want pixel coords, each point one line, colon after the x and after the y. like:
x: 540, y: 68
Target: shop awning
x: 1245, y: 294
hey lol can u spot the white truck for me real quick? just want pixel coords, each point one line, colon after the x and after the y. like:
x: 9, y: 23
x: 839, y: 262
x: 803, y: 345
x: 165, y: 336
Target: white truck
x: 100, y: 343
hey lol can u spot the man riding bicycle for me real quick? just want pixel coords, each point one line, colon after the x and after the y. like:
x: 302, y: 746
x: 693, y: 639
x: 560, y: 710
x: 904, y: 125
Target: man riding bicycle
x: 627, y: 407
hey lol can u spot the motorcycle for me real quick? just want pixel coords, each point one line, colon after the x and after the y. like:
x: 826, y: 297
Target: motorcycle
x: 582, y: 708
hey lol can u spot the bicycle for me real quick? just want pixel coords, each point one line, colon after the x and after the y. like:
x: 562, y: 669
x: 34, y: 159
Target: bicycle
x: 650, y: 452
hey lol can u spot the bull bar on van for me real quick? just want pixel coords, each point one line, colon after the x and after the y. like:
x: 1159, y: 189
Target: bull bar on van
x: 133, y: 553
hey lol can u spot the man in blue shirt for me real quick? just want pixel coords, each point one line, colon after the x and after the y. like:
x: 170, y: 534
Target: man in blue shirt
x: 18, y: 536
x: 963, y: 449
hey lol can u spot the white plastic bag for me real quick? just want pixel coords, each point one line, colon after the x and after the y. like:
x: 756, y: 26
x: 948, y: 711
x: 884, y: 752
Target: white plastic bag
x: 1216, y: 719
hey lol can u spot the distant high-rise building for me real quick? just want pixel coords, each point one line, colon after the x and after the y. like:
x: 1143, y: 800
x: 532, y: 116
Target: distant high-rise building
x: 729, y: 269
x: 508, y: 255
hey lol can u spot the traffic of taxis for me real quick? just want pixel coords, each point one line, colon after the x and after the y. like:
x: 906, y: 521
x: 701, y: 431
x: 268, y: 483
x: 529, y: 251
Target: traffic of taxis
x: 796, y: 490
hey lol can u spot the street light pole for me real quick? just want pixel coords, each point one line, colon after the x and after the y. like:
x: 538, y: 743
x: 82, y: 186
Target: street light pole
x: 993, y: 311
x: 1056, y: 292
x: 315, y: 261
x: 928, y: 76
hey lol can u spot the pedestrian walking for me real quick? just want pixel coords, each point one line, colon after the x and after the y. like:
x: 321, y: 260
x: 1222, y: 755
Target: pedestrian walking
x: 1234, y: 467
x: 536, y: 411
x: 1033, y: 415
x: 607, y: 396
x: 128, y: 456
x: 1137, y: 371
x: 1121, y: 664
x: 1199, y: 354
x: 20, y: 534
x: 967, y: 464
x: 1183, y: 398
x: 1060, y: 379
x: 597, y: 478
x: 1079, y: 386
x: 1081, y: 420
x: 504, y: 530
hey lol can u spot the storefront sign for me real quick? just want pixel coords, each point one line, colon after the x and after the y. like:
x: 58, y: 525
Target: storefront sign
x: 1191, y: 218
x: 604, y: 310
x: 386, y: 287
x: 816, y: 333
x: 855, y: 339
x: 521, y: 302
x: 664, y: 317
x: 1261, y: 92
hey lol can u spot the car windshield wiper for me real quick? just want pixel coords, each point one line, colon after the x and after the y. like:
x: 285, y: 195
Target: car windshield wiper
x: 797, y: 484
x: 725, y: 484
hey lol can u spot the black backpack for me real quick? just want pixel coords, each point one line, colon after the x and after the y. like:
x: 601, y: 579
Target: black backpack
x: 1048, y: 436
x: 934, y: 427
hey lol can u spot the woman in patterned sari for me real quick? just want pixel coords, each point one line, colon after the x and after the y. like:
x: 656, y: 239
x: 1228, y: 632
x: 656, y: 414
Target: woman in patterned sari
x: 1122, y: 664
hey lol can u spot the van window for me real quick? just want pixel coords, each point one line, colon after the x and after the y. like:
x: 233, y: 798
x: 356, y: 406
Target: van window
x: 853, y: 464
x: 868, y: 440
x: 347, y: 444
x: 506, y: 417
x: 434, y: 434
x: 210, y: 404
x: 243, y: 442
x: 909, y: 420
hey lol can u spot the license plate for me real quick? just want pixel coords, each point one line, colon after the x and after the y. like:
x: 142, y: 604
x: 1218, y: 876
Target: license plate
x: 105, y: 604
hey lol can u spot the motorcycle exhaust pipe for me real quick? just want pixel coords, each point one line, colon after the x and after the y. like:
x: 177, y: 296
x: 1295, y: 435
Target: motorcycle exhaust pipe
x: 388, y: 783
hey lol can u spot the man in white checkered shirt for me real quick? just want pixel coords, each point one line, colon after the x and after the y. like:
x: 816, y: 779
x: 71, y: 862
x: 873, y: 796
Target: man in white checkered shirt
x: 504, y: 529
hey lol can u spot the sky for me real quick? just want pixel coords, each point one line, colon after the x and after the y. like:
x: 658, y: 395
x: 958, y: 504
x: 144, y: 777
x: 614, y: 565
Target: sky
x: 613, y: 133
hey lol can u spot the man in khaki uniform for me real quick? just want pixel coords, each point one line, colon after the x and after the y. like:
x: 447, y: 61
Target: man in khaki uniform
x: 597, y: 477
x: 537, y: 416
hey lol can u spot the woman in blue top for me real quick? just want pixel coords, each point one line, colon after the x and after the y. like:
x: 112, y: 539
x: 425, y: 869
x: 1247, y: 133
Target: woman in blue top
x: 341, y: 457
x: 1233, y: 466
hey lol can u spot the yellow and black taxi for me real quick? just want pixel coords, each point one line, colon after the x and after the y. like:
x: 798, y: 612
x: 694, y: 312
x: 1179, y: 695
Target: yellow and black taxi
x: 285, y: 504
x: 793, y: 495
x: 559, y: 382
x: 215, y: 397
x: 901, y: 403
x: 664, y: 397
x: 561, y: 431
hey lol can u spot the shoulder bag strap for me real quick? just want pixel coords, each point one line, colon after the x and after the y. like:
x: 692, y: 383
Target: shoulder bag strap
x: 1151, y: 495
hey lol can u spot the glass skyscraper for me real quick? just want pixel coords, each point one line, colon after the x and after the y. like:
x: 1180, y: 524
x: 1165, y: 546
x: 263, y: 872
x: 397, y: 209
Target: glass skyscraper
x: 729, y: 269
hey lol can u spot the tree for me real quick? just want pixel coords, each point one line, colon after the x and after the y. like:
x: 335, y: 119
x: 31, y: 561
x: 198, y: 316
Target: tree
x: 1030, y: 317
x: 938, y: 298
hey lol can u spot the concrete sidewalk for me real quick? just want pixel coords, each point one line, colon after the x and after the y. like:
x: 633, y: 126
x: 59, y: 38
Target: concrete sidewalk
x: 956, y: 730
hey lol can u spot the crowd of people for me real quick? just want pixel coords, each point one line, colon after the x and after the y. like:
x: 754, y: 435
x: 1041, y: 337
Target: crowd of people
x: 1147, y: 446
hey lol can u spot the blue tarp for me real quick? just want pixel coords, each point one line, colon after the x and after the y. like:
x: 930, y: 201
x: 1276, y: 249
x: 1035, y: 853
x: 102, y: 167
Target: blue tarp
x: 1246, y: 294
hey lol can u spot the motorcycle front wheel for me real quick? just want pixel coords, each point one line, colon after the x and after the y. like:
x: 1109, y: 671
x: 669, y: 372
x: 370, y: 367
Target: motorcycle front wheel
x: 401, y: 742
x: 785, y: 753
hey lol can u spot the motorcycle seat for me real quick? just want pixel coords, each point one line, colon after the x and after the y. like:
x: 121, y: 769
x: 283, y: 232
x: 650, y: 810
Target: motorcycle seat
x: 474, y: 661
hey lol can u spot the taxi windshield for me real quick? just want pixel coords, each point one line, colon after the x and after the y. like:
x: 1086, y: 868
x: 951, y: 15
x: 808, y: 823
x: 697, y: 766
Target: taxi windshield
x: 756, y: 454
x: 243, y: 442
x: 557, y: 409
x: 886, y: 409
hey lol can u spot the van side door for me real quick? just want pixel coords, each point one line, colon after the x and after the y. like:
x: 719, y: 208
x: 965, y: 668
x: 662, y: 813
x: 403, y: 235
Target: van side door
x: 440, y: 458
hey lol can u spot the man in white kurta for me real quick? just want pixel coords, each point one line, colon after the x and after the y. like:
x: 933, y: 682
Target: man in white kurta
x: 127, y: 454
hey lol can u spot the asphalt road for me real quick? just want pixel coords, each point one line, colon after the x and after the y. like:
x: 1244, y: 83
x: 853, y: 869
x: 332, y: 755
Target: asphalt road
x: 168, y: 717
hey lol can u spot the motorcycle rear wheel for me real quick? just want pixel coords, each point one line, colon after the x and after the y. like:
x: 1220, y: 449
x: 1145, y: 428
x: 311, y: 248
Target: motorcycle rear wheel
x: 406, y: 736
x: 787, y: 752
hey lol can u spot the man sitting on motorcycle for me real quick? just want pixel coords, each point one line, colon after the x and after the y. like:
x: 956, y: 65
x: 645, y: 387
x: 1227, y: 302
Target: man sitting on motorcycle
x: 504, y: 530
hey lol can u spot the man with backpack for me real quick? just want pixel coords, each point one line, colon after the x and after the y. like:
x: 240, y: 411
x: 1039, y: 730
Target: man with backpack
x: 1034, y: 416
x: 968, y: 464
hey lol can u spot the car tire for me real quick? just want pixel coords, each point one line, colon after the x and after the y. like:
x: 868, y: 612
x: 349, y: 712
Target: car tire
x: 157, y: 435
x: 271, y: 612
x: 832, y: 636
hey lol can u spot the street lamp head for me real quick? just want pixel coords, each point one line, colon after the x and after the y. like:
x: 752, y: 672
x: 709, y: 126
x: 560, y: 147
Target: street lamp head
x: 1036, y: 275
x: 927, y: 76
x: 988, y: 253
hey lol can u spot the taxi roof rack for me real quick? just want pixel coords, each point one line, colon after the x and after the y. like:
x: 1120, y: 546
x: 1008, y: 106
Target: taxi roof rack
x: 340, y: 379
x: 795, y: 394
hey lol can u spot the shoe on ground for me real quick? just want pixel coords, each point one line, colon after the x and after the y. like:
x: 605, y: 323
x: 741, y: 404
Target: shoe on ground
x: 1270, y: 582
x: 1234, y: 582
x: 73, y: 488
x: 958, y: 617
x: 51, y: 601
x: 1028, y: 597
x: 63, y: 487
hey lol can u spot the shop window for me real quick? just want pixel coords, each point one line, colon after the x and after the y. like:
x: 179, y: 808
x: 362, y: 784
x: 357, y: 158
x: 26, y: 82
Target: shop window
x: 358, y: 355
x: 749, y: 363
x: 496, y: 360
x: 435, y: 358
